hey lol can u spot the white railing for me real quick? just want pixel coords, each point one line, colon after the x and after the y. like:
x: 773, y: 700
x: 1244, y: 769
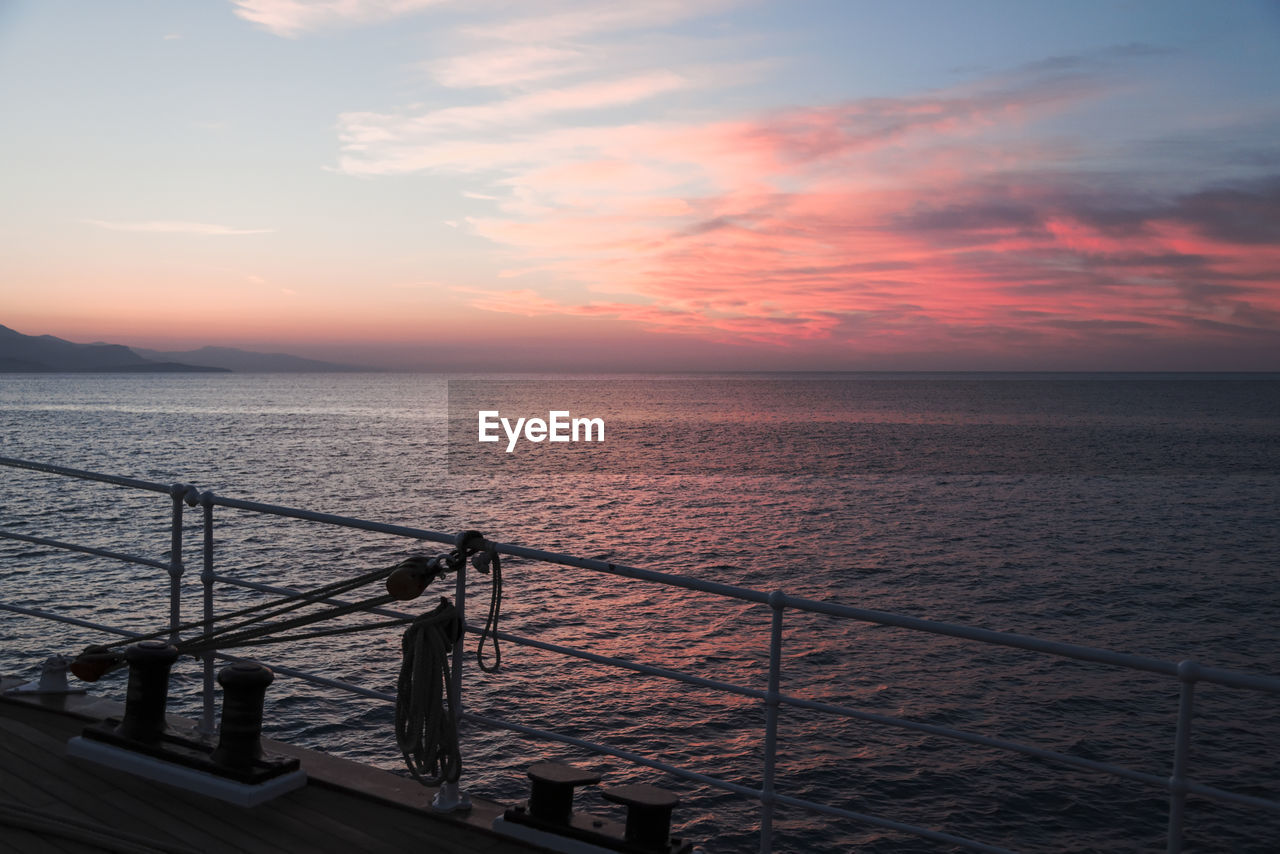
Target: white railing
x: 1188, y: 673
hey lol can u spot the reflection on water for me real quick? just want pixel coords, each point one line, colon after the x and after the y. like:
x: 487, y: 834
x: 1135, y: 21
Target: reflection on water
x: 1164, y: 544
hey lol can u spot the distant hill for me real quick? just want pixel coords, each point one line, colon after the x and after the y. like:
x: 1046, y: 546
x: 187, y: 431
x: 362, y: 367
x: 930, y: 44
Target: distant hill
x: 47, y: 354
x: 246, y: 361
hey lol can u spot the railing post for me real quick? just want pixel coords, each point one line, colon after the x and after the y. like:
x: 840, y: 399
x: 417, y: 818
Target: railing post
x: 777, y: 600
x: 1188, y: 673
x: 178, y: 493
x: 460, y: 594
x: 206, y: 579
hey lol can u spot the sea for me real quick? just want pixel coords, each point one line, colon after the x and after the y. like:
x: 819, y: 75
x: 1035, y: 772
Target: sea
x: 1133, y: 512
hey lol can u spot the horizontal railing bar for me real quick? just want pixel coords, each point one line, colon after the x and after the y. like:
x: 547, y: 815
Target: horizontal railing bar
x: 931, y: 729
x: 1058, y: 648
x: 1238, y: 679
x: 974, y: 738
x: 75, y: 621
x: 1215, y: 675
x: 1135, y: 662
x: 318, y: 680
x: 726, y: 687
x: 332, y: 519
x: 1234, y: 797
x: 885, y: 618
x: 1065, y: 650
x: 89, y: 550
x: 85, y: 475
x: 278, y: 668
x: 889, y: 824
x: 289, y: 591
x: 692, y: 776
x: 688, y: 583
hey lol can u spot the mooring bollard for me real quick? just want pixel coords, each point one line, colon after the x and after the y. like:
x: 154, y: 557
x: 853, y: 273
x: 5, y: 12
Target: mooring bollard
x: 244, y: 687
x: 648, y: 813
x: 551, y: 792
x: 148, y: 691
x: 548, y: 819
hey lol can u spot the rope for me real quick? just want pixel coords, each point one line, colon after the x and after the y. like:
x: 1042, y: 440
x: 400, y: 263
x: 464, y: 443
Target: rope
x: 490, y: 630
x: 427, y: 699
x: 322, y: 633
x: 229, y: 638
x: 288, y: 602
x: 243, y: 634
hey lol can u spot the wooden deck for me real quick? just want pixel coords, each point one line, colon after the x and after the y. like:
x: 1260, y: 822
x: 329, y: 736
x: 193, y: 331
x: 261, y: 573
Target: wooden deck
x: 50, y: 802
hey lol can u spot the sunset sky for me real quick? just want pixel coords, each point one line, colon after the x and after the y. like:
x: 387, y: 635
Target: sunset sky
x: 657, y: 184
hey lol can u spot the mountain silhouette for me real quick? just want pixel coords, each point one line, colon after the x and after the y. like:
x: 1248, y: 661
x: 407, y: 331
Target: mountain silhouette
x: 47, y: 354
x: 233, y: 359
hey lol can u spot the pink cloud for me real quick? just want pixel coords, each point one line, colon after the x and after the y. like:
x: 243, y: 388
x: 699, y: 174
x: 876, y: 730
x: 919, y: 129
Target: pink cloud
x: 801, y: 266
x: 879, y: 225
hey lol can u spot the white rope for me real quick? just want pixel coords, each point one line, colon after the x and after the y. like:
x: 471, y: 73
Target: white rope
x: 426, y: 702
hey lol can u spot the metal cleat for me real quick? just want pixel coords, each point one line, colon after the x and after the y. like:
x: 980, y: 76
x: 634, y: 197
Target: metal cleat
x: 53, y: 679
x: 450, y: 798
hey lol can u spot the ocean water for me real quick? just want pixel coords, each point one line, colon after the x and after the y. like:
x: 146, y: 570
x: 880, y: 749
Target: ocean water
x: 1138, y: 513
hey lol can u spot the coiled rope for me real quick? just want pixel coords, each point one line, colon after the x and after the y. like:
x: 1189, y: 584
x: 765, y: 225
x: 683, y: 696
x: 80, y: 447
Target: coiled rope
x: 427, y: 698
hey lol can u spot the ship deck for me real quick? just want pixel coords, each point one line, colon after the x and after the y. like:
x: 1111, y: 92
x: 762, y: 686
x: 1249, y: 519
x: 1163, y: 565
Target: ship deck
x: 50, y: 802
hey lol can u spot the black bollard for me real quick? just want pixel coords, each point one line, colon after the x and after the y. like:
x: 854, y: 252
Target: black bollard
x: 551, y: 793
x: 148, y: 691
x: 244, y: 685
x: 648, y: 813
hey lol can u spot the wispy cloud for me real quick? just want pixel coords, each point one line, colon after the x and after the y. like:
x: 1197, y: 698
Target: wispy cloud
x: 290, y: 18
x: 509, y: 66
x: 176, y: 227
x: 595, y: 18
x: 558, y: 66
x: 370, y: 131
x: 731, y: 153
x: 425, y: 284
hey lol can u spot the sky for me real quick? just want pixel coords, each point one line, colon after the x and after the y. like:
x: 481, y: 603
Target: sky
x: 651, y: 185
